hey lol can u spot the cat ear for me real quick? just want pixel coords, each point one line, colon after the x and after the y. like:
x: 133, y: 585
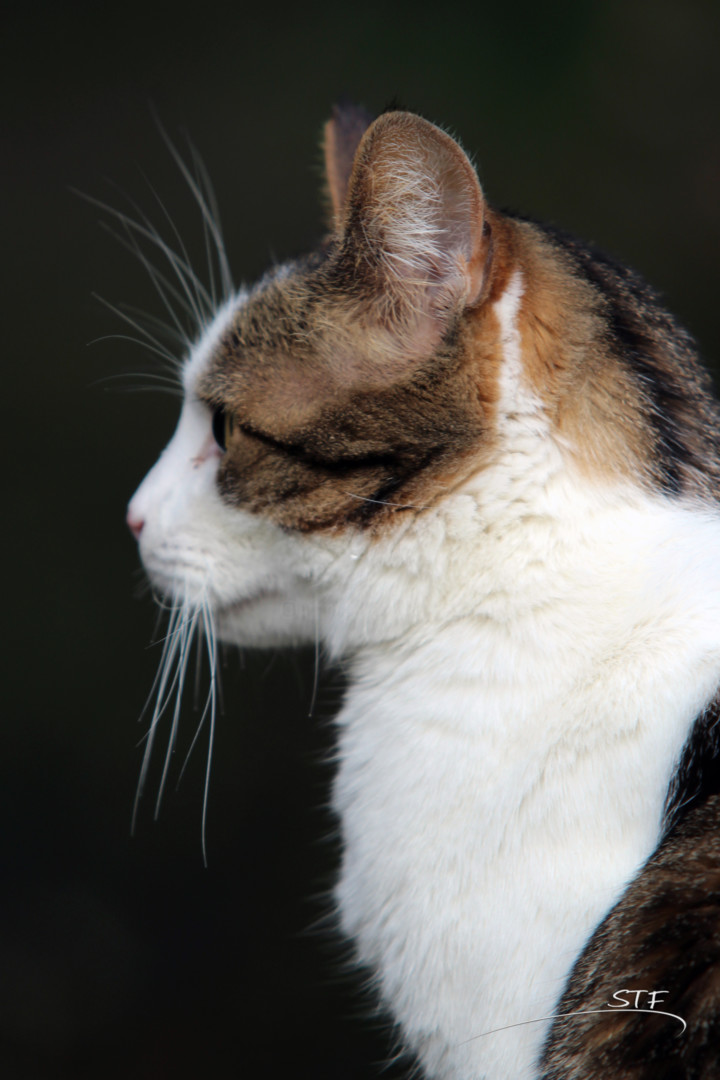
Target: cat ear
x: 415, y: 223
x: 341, y: 137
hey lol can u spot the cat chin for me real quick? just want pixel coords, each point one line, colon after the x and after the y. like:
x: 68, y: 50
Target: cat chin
x: 269, y: 619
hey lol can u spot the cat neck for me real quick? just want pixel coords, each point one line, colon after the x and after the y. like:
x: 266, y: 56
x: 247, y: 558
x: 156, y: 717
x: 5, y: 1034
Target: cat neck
x: 504, y: 766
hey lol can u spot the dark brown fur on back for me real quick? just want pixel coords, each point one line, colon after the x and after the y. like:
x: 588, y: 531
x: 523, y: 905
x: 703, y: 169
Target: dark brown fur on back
x: 663, y: 935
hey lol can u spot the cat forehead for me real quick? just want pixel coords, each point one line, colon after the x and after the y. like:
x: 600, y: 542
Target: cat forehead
x: 271, y: 351
x: 298, y: 338
x: 204, y: 349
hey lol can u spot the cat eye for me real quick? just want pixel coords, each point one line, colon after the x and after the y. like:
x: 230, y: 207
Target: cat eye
x: 223, y: 427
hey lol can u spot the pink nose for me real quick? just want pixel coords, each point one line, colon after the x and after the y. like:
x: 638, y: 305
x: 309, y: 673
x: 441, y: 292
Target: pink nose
x: 135, y: 524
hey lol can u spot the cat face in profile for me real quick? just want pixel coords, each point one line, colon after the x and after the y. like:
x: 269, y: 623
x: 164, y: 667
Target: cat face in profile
x: 339, y: 405
x: 326, y: 406
x: 479, y: 462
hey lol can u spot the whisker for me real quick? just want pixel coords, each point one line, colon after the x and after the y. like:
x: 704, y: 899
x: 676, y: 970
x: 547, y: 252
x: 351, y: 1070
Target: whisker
x: 142, y: 389
x: 149, y: 233
x: 384, y: 502
x: 151, y: 376
x: 164, y: 354
x: 185, y: 609
x: 198, y: 671
x: 160, y: 325
x: 169, y: 647
x: 204, y: 298
x: 222, y: 258
x: 210, y: 710
x: 212, y: 700
x: 124, y: 314
x: 142, y: 587
x: 187, y: 634
x: 163, y: 286
x: 201, y: 201
x: 161, y: 665
x: 206, y: 615
x: 208, y: 248
x: 180, y: 261
x: 154, y: 639
x: 166, y: 662
x: 189, y: 301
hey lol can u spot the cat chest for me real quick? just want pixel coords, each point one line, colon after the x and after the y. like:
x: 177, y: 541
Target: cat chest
x: 486, y: 837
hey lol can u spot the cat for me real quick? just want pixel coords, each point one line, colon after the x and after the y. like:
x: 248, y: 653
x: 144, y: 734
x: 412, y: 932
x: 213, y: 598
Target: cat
x: 481, y: 464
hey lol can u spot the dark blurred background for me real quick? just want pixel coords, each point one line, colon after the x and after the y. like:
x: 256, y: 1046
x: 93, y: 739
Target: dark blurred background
x: 125, y: 957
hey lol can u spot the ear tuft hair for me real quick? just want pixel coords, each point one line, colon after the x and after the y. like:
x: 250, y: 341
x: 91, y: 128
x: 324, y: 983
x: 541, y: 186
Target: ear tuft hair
x: 415, y: 215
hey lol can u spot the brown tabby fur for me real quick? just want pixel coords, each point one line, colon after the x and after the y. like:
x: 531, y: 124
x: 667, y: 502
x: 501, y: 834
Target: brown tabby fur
x: 378, y: 409
x: 664, y: 934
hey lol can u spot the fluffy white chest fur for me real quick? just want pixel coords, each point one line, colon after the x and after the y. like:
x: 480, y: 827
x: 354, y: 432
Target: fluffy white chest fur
x: 525, y: 661
x: 499, y: 785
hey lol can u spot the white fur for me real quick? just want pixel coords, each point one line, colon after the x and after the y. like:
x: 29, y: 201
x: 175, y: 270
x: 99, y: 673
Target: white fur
x: 525, y: 662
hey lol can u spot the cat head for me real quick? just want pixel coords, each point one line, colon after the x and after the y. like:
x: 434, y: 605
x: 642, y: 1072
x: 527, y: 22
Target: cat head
x: 360, y: 425
x: 337, y: 398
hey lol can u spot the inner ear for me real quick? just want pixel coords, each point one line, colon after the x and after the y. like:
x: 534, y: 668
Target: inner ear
x: 416, y: 216
x: 341, y: 137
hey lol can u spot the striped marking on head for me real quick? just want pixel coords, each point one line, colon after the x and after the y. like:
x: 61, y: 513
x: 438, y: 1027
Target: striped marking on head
x: 387, y: 367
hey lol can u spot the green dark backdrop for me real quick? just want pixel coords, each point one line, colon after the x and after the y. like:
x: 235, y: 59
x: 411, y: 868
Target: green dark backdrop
x: 126, y: 958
